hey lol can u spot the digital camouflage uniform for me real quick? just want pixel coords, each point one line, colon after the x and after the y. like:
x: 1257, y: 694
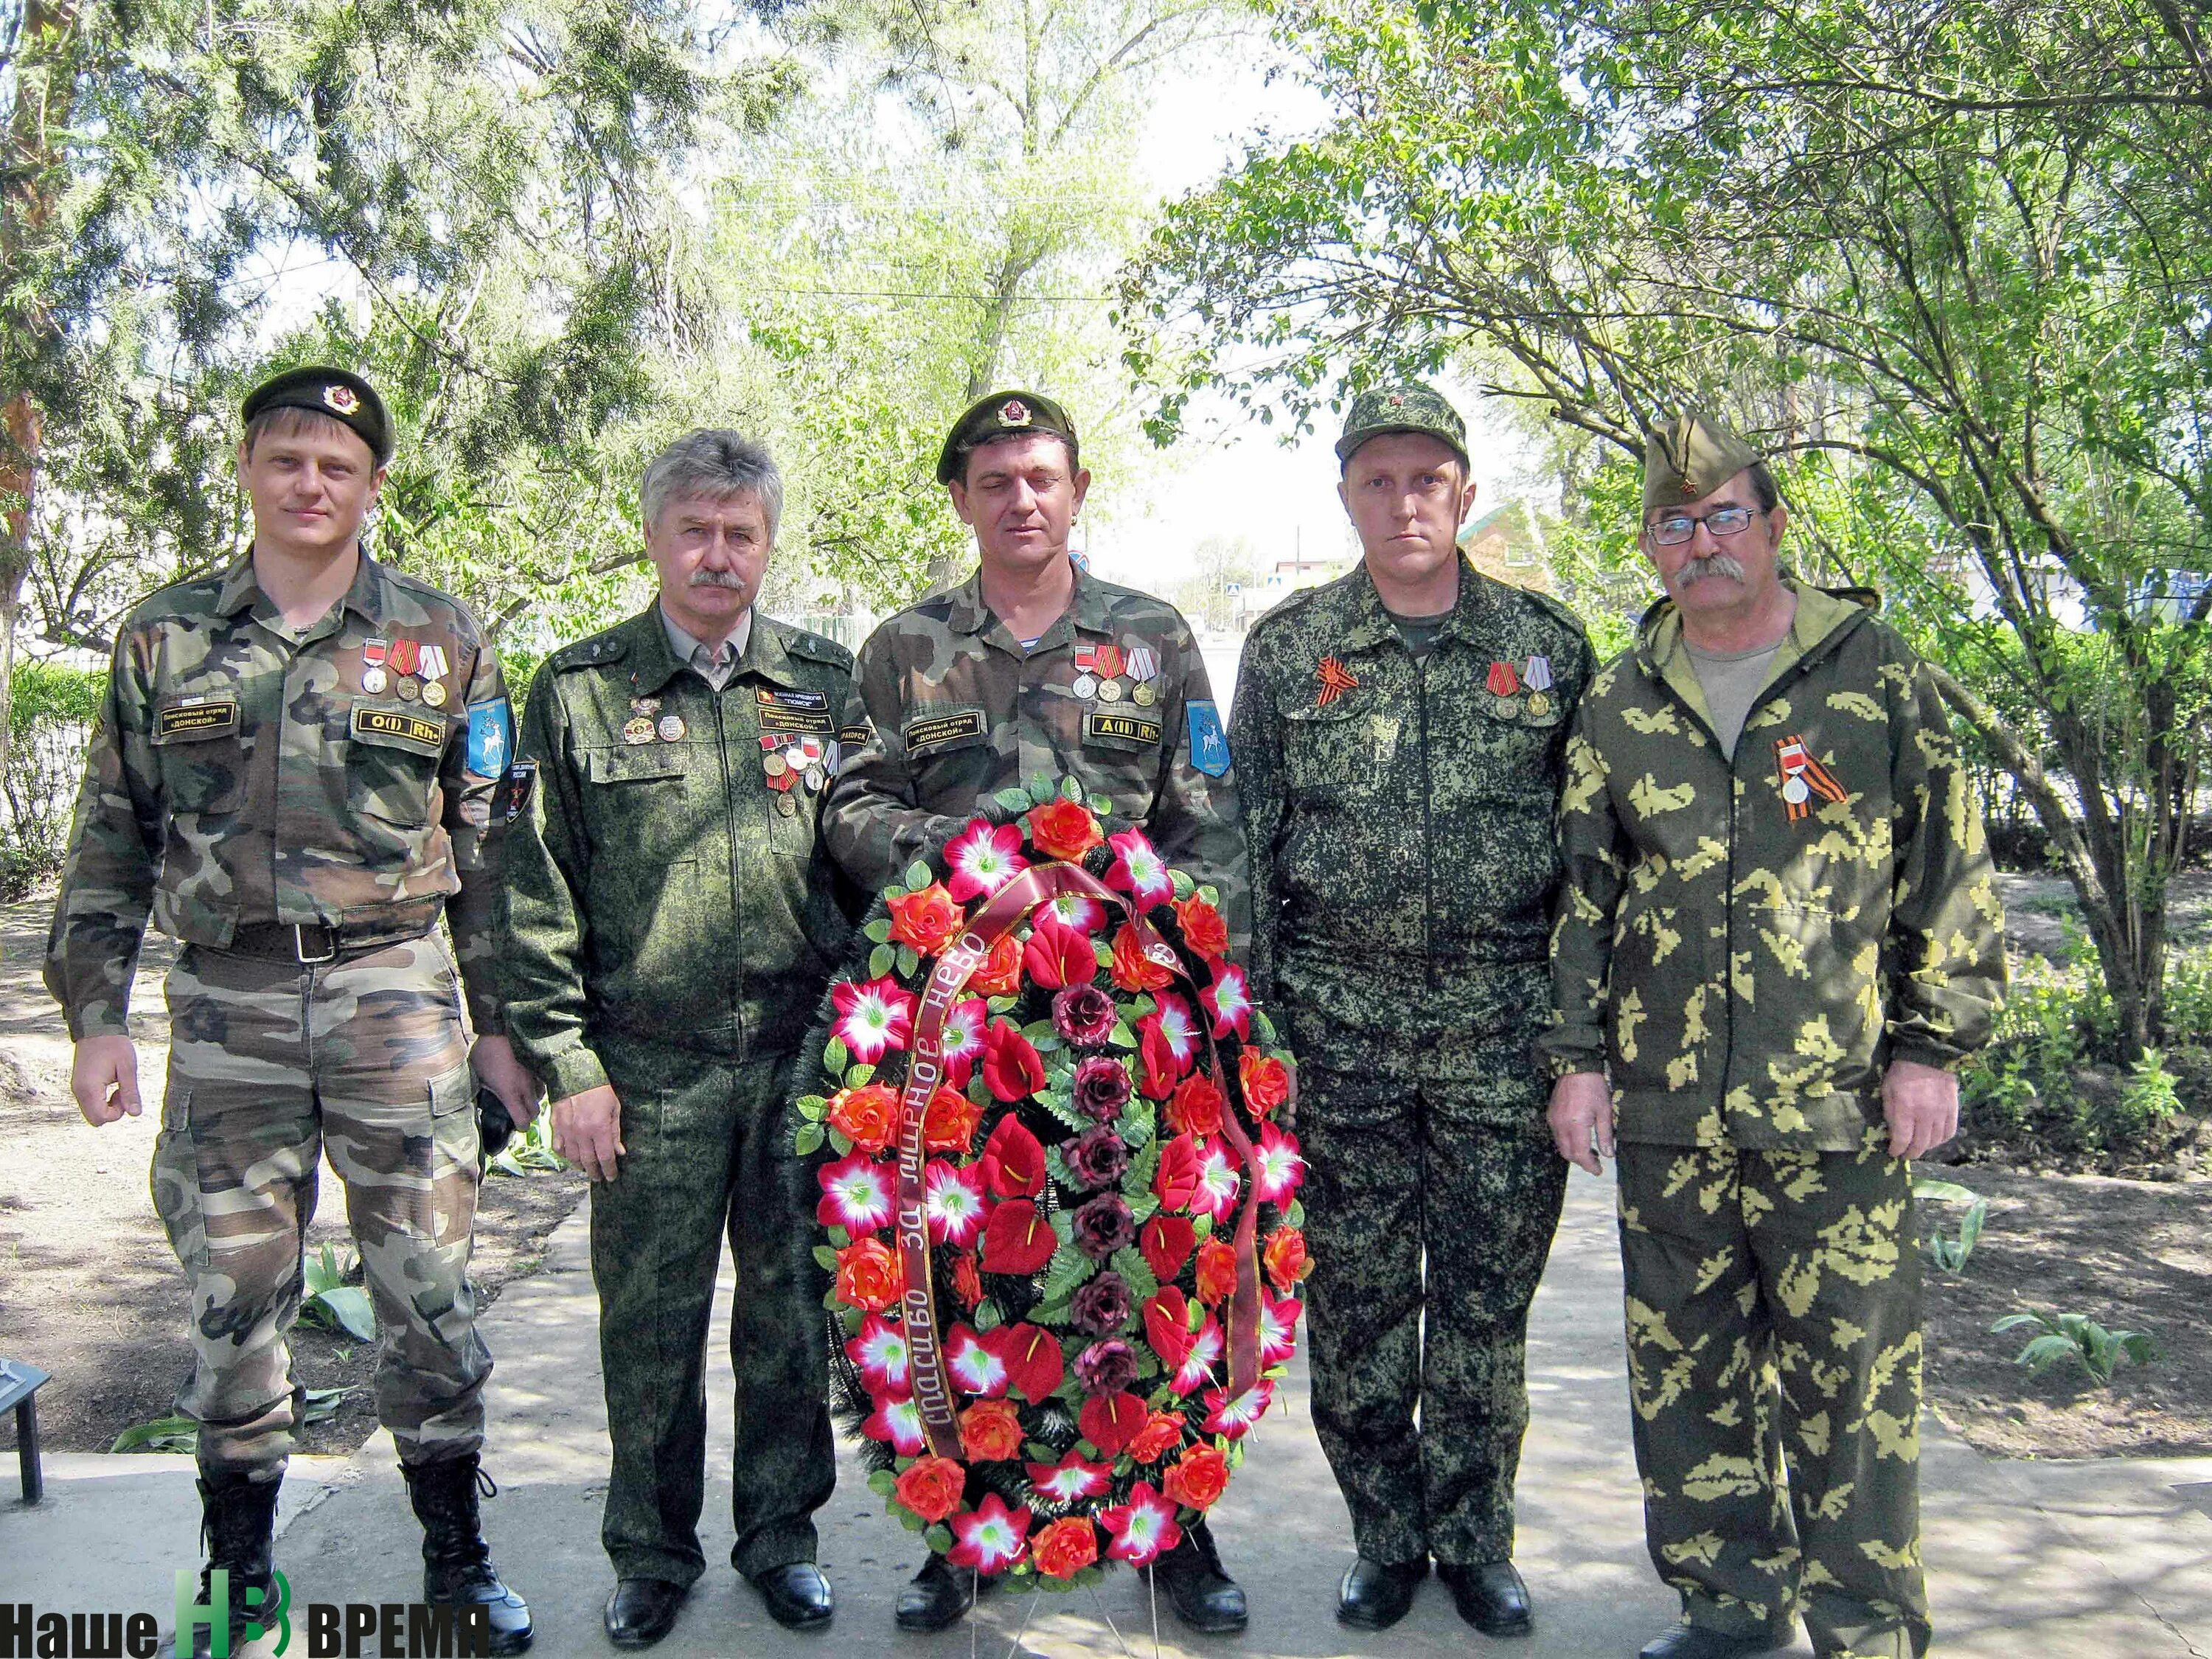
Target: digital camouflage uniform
x: 1746, y: 963
x: 1399, y: 816
x: 241, y: 782
x: 670, y: 928
x: 946, y: 710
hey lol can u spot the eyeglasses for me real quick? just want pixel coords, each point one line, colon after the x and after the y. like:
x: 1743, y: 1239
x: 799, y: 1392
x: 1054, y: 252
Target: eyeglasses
x: 1678, y: 527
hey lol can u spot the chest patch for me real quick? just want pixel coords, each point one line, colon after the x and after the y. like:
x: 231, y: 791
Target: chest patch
x: 1131, y: 728
x: 935, y: 731
x: 793, y: 711
x: 397, y: 723
x: 196, y: 719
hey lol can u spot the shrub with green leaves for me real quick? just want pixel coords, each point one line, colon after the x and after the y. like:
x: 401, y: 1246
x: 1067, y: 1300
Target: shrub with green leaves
x: 1948, y: 1251
x: 2062, y: 1337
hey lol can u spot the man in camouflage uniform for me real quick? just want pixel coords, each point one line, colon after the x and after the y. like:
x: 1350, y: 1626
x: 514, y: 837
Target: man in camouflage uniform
x: 1779, y: 936
x: 670, y: 928
x: 293, y: 771
x: 1399, y: 734
x: 1030, y: 666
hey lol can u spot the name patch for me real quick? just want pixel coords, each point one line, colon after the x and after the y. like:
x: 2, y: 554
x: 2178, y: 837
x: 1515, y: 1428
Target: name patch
x: 196, y: 717
x: 778, y: 699
x: 1131, y: 728
x: 935, y: 731
x: 397, y: 723
x: 812, y: 717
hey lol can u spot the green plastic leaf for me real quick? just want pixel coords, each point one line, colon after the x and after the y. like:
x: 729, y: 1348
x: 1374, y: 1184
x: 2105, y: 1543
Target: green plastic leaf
x: 1042, y: 790
x: 813, y: 1107
x: 835, y: 1058
x: 1129, y: 1262
x: 856, y: 1076
x: 1014, y: 800
x: 826, y: 1258
x: 909, y: 960
x: 1071, y: 788
x: 1122, y: 1036
x: 1296, y: 1215
x: 1183, y: 883
x: 1002, y: 1005
x: 840, y: 1143
x: 808, y: 1140
x: 938, y: 1538
x: 918, y: 876
x: 882, y: 1482
x: 1050, y: 1313
x: 1211, y: 894
x: 839, y: 1238
x: 1068, y: 1268
x: 880, y: 961
x: 879, y: 930
x: 988, y: 1317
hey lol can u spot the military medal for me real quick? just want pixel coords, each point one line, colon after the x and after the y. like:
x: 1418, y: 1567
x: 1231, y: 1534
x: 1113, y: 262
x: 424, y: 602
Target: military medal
x: 1144, y: 662
x: 645, y: 705
x: 1109, y: 690
x: 785, y: 804
x: 1538, y: 704
x: 814, y: 779
x: 372, y: 677
x: 1502, y: 681
x: 1802, y: 777
x: 1110, y: 663
x: 774, y: 765
x: 1143, y: 696
x: 670, y: 728
x: 409, y: 689
x: 1085, y: 686
x: 1537, y: 675
x: 373, y: 681
x: 406, y: 655
x: 433, y: 663
x: 433, y: 693
x: 639, y: 730
x: 1335, y: 680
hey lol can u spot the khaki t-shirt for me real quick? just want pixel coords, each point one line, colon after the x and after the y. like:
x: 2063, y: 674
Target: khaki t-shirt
x: 1731, y: 682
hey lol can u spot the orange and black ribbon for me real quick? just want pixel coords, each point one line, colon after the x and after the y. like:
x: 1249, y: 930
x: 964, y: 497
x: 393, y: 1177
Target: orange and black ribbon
x: 1793, y: 759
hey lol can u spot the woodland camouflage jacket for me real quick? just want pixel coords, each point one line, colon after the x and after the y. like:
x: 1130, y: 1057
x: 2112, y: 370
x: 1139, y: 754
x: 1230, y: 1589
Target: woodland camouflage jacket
x: 1745, y: 946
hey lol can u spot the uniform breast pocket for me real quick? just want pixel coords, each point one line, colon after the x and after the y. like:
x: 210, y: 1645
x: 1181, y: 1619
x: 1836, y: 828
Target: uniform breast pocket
x: 1327, y: 750
x: 635, y: 803
x: 392, y: 763
x: 202, y: 762
x: 931, y: 731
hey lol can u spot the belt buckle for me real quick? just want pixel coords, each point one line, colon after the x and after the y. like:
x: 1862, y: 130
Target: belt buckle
x: 299, y: 945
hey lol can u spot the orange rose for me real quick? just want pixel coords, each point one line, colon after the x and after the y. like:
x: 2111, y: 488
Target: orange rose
x: 869, y: 1275
x: 1286, y: 1257
x: 1203, y: 929
x: 1064, y: 1548
x: 928, y: 920
x: 967, y: 1282
x: 1062, y: 830
x: 1217, y: 1270
x: 1195, y: 1108
x: 1000, y: 975
x: 931, y: 1487
x: 867, y: 1117
x: 991, y: 1430
x: 1162, y: 1434
x: 949, y: 1124
x: 1134, y: 971
x: 1267, y: 1081
x: 1200, y: 1477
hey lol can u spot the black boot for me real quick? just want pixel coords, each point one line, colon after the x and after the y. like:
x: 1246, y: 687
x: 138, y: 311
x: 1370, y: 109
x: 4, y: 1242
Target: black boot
x: 457, y: 1565
x: 238, y: 1530
x: 1204, y: 1596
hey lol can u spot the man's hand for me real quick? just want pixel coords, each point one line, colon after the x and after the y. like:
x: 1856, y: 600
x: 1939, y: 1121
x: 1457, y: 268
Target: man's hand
x: 1920, y: 1105
x: 104, y: 1077
x: 587, y: 1131
x: 499, y: 1071
x: 1582, y: 1119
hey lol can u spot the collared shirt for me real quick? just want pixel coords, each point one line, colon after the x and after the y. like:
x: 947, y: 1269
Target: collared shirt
x: 948, y: 709
x: 242, y: 772
x: 718, y: 662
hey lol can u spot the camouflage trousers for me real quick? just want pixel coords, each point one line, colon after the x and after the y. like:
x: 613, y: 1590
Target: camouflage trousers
x: 1773, y: 1304
x: 1430, y: 1210
x: 272, y: 1065
x: 706, y: 1159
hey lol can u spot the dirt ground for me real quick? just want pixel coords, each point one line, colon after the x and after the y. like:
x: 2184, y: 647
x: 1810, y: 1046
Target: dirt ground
x: 88, y: 1288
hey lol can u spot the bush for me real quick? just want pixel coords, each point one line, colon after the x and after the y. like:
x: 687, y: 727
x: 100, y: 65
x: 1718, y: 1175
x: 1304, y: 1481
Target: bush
x: 48, y: 723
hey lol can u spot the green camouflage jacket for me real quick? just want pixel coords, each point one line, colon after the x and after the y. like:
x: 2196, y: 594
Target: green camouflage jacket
x: 665, y: 880
x: 947, y: 711
x: 237, y: 775
x: 1745, y: 947
x: 1400, y: 816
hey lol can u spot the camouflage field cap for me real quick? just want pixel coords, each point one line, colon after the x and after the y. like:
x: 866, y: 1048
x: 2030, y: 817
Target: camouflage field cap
x: 1689, y: 457
x: 1410, y: 407
x: 346, y: 399
x: 998, y: 415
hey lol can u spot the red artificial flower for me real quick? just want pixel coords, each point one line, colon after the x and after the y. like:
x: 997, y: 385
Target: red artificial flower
x: 1278, y: 1327
x: 1133, y: 970
x: 990, y: 1431
x: 1057, y: 956
x: 1203, y: 929
x: 962, y: 1044
x: 1218, y: 1181
x: 990, y: 1538
x: 966, y: 1279
x: 1167, y: 1326
x: 1176, y: 1178
x: 1284, y: 1255
x: 1198, y: 1477
x: 869, y: 1276
x: 1156, y: 1055
x: 1068, y: 1545
x: 1278, y: 1170
x: 1143, y: 1528
x: 1217, y: 1270
x: 1013, y: 1161
x: 1063, y: 829
x: 983, y: 858
x: 1032, y: 1358
x: 1070, y: 1479
x: 1197, y: 1367
x: 1000, y: 975
x: 927, y: 919
x: 867, y: 1117
x: 856, y: 1194
x: 1111, y: 1421
x: 973, y: 1364
x: 1017, y: 1239
x: 1195, y: 1107
x: 1012, y: 1068
x: 931, y: 1487
x: 1138, y: 870
x: 1229, y: 999
x: 1162, y: 1434
x: 1166, y: 1243
x: 949, y: 1123
x: 896, y: 1421
x: 879, y: 1353
x: 1234, y: 1417
x: 872, y: 1017
x: 1265, y: 1079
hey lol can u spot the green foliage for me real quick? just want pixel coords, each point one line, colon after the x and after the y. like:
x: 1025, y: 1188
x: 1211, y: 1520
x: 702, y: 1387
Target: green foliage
x: 327, y: 1300
x: 182, y: 1434
x: 1950, y: 1252
x: 531, y: 1149
x: 2078, y: 1338
x: 50, y: 715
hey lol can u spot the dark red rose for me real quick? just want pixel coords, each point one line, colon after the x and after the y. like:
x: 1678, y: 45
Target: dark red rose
x: 1102, y: 1088
x: 1097, y: 1158
x: 1102, y: 1226
x: 1106, y: 1367
x: 1084, y: 1015
x: 1100, y: 1308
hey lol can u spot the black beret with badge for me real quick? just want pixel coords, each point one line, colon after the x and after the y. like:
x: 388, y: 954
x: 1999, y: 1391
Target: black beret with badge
x: 1003, y: 415
x: 345, y: 398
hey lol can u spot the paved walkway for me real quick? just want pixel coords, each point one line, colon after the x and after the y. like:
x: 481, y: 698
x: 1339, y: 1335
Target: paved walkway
x: 2046, y: 1559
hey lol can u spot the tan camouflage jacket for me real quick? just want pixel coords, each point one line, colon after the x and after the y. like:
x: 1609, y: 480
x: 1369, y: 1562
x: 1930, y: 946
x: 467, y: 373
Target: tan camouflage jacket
x: 665, y: 880
x: 947, y: 711
x: 1745, y: 947
x: 237, y: 775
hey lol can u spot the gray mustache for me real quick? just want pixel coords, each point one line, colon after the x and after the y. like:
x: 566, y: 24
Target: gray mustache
x: 1713, y: 564
x: 719, y: 579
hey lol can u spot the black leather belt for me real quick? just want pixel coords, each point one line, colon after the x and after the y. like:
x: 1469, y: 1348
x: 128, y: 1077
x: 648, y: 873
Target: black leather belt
x: 310, y: 943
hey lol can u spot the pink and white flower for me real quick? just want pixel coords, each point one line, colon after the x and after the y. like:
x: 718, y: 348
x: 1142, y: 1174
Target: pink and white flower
x: 955, y: 1202
x: 1197, y: 1367
x: 1138, y: 870
x: 1070, y: 1479
x: 872, y: 1017
x: 856, y: 1194
x: 1219, y: 1182
x: 1233, y: 1417
x: 897, y: 1420
x: 1142, y: 1527
x: 1174, y: 1018
x: 989, y: 1538
x: 880, y: 1350
x: 1079, y: 911
x: 976, y: 1369
x: 983, y: 858
x: 1229, y: 999
x: 963, y: 1040
x: 1278, y: 1327
x: 1279, y: 1170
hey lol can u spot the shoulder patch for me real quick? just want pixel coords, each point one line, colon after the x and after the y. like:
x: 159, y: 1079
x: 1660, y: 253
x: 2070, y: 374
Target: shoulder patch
x: 491, y: 738
x: 816, y: 648
x: 1209, y: 743
x: 605, y: 648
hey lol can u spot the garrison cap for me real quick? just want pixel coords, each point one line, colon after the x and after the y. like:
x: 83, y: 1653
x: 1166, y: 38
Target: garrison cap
x: 996, y: 416
x: 345, y: 398
x: 1408, y: 407
x: 1688, y: 457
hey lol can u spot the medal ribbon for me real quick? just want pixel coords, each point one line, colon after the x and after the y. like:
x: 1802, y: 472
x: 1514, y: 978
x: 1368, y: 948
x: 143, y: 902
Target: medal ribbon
x: 1793, y: 759
x: 956, y: 966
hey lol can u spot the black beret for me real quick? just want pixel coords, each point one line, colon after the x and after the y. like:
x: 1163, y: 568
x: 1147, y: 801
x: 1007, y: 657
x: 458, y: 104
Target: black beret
x: 1000, y: 413
x: 346, y: 399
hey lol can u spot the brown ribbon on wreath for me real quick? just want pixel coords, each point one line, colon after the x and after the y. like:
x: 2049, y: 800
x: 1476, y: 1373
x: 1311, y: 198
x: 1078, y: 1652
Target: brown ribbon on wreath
x: 956, y: 966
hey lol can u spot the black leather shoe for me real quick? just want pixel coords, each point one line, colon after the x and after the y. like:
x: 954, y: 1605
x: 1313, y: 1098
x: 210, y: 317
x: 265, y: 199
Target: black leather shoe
x: 1489, y: 1597
x: 641, y: 1611
x: 1377, y: 1595
x: 937, y: 1599
x: 1695, y: 1642
x: 797, y: 1594
x: 1204, y: 1596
